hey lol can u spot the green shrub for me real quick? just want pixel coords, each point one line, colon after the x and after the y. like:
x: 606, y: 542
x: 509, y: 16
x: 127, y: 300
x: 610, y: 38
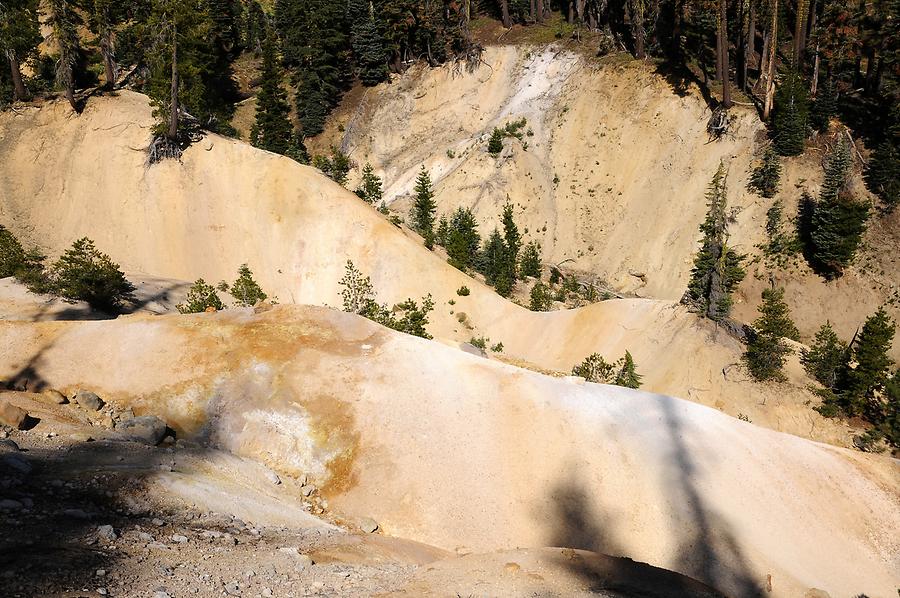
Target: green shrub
x: 86, y: 274
x: 463, y: 291
x: 337, y: 167
x: 358, y: 297
x: 479, y: 342
x: 26, y: 266
x: 766, y: 351
x: 766, y: 176
x: 497, y: 348
x: 541, y: 298
x: 595, y: 369
x: 530, y: 260
x: 826, y: 357
x: 12, y: 255
x: 200, y: 298
x: 495, y: 144
x: 245, y: 289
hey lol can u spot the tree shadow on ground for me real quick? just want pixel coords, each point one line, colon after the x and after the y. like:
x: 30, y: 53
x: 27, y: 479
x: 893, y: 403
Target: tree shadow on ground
x: 52, y: 545
x: 707, y: 549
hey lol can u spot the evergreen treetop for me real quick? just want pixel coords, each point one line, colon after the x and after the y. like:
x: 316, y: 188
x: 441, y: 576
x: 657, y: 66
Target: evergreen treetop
x: 273, y: 130
x: 424, y: 208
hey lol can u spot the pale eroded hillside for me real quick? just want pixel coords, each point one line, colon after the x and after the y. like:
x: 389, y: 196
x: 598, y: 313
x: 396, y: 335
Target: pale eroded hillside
x: 227, y: 203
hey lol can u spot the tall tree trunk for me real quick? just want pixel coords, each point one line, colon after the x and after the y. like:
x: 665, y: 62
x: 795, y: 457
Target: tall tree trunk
x: 173, y: 112
x: 571, y: 16
x: 809, y: 26
x: 539, y: 11
x: 722, y: 43
x: 109, y: 61
x: 770, y: 66
x: 533, y: 11
x: 637, y: 27
x: 870, y: 70
x: 20, y: 93
x: 750, y: 44
x: 579, y: 10
x: 798, y: 32
x: 504, y: 13
x: 763, y: 56
x: 814, y: 84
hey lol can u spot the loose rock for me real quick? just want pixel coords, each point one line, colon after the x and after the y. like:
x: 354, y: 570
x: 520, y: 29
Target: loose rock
x: 12, y: 416
x: 54, y: 397
x: 148, y: 429
x: 368, y: 525
x: 106, y: 532
x: 8, y: 446
x: 88, y: 400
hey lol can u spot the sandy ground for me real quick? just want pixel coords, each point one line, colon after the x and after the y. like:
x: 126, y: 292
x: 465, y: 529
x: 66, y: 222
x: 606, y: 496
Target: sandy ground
x: 97, y: 514
x: 227, y: 203
x: 470, y: 455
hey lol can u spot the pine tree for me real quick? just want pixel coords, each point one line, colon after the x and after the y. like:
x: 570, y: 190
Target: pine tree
x: 186, y: 73
x: 766, y: 176
x: 540, y: 299
x: 791, y: 115
x: 19, y: 39
x: 826, y: 357
x: 766, y: 351
x: 628, y: 376
x: 369, y: 189
x: 86, y: 274
x: 315, y: 45
x: 717, y: 268
x: 65, y: 21
x: 494, y: 264
x: 824, y: 107
x: 245, y: 290
x: 495, y: 143
x: 200, y: 298
x: 273, y: 130
x: 424, y: 207
x: 463, y: 240
x: 838, y: 220
x: 368, y: 46
x: 105, y: 16
x: 337, y: 167
x: 530, y: 261
x: 225, y: 17
x: 512, y: 238
x: 443, y: 231
x: 775, y: 316
x: 870, y: 352
x: 883, y: 173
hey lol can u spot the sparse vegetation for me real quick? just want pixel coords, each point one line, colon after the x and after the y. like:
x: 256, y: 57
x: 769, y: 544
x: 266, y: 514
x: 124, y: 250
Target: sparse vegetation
x: 369, y: 189
x: 766, y: 176
x: 358, y: 297
x: 463, y: 291
x: 245, y: 290
x: 84, y: 273
x: 336, y: 167
x: 622, y: 372
x: 201, y: 297
x: 766, y: 350
x: 717, y: 268
x: 530, y: 260
x: 864, y: 385
x: 541, y: 298
x: 838, y: 220
x: 422, y: 213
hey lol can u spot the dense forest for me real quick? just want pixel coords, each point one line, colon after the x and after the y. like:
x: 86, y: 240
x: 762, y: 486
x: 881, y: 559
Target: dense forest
x: 799, y: 61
